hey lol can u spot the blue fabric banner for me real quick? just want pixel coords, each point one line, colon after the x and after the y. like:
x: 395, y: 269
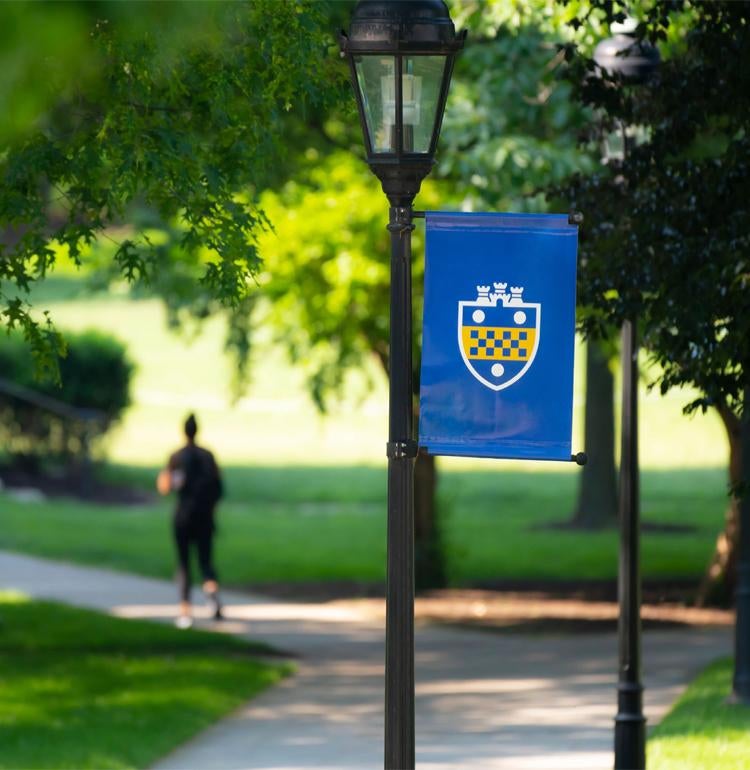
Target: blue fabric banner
x: 498, y: 336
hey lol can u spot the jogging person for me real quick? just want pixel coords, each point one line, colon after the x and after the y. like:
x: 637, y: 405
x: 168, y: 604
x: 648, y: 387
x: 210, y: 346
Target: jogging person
x: 193, y: 474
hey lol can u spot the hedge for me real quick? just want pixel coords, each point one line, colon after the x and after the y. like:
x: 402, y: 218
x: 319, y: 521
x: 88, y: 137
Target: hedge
x: 42, y: 418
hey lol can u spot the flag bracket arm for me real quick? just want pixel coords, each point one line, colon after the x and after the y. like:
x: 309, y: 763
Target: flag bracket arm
x: 575, y: 218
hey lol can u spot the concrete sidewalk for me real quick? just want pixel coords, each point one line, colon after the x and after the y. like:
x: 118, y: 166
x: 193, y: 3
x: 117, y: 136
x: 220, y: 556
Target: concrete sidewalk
x: 484, y: 700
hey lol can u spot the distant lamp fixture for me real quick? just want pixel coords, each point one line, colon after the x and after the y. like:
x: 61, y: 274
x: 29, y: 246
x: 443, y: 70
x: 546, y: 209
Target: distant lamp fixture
x: 623, y: 54
x: 634, y: 61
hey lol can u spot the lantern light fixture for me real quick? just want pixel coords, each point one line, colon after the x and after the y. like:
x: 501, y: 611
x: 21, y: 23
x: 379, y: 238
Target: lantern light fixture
x: 401, y: 57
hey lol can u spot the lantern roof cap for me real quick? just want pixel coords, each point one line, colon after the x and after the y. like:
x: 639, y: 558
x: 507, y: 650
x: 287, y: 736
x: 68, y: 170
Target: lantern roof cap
x: 401, y: 26
x: 624, y: 54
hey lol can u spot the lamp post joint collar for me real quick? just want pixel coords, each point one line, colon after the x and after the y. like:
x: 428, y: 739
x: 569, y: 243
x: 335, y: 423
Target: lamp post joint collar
x: 396, y: 450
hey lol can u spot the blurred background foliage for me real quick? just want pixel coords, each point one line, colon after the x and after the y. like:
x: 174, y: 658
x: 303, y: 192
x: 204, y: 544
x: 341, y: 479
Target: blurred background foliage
x: 666, y: 240
x: 134, y: 149
x: 42, y: 422
x: 187, y: 126
x: 208, y: 156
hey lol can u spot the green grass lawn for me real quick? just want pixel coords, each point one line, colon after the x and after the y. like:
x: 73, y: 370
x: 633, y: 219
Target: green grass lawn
x: 703, y: 731
x: 303, y: 523
x: 307, y: 491
x: 83, y: 690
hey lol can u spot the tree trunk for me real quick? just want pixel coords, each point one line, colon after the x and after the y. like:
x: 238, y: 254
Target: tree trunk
x: 429, y: 561
x: 717, y: 585
x: 597, y: 493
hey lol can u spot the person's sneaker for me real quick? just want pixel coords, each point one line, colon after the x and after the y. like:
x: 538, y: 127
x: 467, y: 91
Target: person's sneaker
x: 184, y: 621
x: 215, y: 605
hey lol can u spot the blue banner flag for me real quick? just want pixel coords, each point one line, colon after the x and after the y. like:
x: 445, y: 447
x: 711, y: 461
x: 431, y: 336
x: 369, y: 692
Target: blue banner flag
x: 498, y: 336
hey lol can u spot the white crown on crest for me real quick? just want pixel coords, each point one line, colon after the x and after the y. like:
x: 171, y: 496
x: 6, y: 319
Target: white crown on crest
x: 499, y: 294
x: 483, y: 296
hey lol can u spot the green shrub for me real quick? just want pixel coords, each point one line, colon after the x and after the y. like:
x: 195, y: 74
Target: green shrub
x: 46, y: 419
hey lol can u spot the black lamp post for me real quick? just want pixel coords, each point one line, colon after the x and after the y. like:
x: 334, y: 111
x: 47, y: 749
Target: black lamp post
x: 741, y: 679
x: 634, y: 62
x: 400, y: 55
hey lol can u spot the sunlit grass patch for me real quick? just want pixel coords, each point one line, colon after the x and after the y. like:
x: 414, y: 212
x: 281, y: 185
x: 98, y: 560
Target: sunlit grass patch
x: 79, y: 689
x: 703, y: 731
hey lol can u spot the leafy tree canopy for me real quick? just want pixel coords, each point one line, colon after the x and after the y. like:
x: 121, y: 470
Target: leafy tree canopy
x: 326, y: 269
x: 668, y: 228
x: 183, y: 129
x: 510, y: 127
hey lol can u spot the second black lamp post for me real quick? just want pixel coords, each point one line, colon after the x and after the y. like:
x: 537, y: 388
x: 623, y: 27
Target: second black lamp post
x: 634, y: 62
x: 400, y: 54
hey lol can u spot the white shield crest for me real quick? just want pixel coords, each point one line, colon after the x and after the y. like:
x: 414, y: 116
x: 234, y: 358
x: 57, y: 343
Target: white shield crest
x: 498, y: 334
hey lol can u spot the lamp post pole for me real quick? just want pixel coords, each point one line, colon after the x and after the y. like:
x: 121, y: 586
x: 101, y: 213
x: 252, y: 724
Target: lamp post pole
x: 400, y: 55
x: 634, y: 62
x: 401, y: 450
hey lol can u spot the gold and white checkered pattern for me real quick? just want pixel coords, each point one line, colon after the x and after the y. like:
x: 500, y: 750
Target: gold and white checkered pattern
x: 498, y: 343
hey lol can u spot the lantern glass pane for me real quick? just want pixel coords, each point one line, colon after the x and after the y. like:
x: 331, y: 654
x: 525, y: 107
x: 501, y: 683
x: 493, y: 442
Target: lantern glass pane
x: 615, y: 144
x: 376, y: 77
x: 422, y: 79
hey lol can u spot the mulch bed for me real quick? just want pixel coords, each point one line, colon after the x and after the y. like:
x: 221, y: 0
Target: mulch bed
x: 527, y: 607
x: 654, y: 591
x: 72, y: 485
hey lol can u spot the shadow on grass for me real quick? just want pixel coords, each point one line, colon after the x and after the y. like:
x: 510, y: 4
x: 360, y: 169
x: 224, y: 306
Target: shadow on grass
x: 567, y: 626
x: 312, y: 483
x: 33, y: 627
x: 327, y: 525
